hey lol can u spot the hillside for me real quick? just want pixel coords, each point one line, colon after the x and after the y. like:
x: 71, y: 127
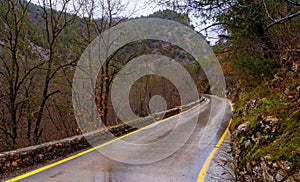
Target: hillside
x: 40, y: 47
x: 266, y: 130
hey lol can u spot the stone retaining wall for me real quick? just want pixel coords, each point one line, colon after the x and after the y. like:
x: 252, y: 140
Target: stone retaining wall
x: 24, y: 157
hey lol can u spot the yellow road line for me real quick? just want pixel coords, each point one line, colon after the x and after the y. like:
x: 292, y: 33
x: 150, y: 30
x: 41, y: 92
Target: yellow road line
x: 205, y: 166
x: 89, y: 150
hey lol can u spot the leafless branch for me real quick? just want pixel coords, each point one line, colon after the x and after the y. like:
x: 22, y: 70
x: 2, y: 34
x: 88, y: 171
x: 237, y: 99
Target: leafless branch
x: 293, y: 2
x: 267, y: 11
x: 282, y: 20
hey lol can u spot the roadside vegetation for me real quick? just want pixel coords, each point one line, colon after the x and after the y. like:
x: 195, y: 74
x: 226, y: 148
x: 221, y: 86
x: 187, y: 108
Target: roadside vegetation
x: 266, y: 130
x: 258, y: 47
x: 259, y: 51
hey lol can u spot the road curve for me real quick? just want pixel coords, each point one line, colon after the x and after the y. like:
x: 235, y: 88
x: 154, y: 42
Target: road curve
x: 183, y: 165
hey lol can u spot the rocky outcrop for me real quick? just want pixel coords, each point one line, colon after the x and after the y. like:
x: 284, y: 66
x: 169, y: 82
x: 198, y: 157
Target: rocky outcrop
x: 265, y: 133
x: 263, y: 169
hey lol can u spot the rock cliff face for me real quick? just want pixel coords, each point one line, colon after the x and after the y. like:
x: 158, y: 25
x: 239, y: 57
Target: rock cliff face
x: 266, y: 131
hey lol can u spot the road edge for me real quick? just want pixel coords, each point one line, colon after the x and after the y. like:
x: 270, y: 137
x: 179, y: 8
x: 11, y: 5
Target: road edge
x: 202, y: 174
x: 38, y: 170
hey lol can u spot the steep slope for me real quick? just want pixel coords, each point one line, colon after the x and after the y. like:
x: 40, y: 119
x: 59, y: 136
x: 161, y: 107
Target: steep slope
x: 266, y: 130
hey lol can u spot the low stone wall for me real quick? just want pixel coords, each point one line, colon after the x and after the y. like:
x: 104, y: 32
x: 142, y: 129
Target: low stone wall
x: 13, y: 160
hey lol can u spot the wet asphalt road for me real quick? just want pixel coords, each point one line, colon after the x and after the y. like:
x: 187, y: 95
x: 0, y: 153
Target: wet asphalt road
x: 142, y: 162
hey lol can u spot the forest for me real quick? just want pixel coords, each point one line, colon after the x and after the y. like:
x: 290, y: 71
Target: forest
x: 258, y: 47
x: 40, y: 47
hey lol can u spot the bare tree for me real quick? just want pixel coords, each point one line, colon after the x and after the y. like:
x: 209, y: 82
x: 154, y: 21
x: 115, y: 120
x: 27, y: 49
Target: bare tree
x: 98, y: 16
x: 57, y: 17
x: 13, y: 72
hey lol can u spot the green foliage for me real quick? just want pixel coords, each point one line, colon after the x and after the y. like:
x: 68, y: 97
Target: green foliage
x: 172, y: 15
x: 265, y: 101
x: 283, y: 143
x: 252, y: 45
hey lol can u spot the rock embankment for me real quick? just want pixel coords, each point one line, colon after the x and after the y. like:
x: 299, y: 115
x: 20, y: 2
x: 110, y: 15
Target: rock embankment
x: 266, y: 131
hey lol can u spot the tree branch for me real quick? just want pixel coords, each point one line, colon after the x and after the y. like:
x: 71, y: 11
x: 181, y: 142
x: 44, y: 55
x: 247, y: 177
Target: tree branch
x: 282, y: 20
x: 6, y: 132
x: 293, y: 2
x: 212, y: 25
x: 27, y: 74
x: 52, y: 93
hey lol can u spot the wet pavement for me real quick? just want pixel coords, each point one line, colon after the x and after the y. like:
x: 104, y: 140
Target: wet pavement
x: 147, y: 161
